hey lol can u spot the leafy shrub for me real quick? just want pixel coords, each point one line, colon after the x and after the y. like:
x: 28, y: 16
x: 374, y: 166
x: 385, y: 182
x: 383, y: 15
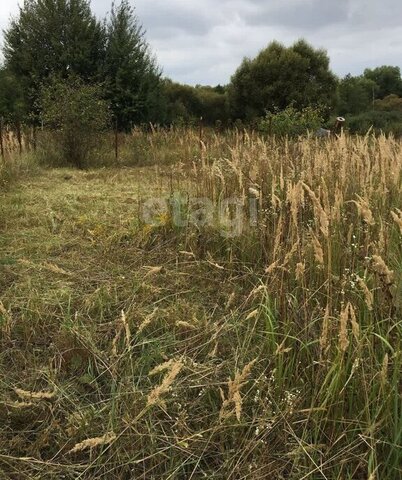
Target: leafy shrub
x: 391, y: 103
x: 76, y: 114
x: 292, y: 122
x: 379, y: 121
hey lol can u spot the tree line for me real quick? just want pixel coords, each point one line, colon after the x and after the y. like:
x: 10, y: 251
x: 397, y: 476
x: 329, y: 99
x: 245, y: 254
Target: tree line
x: 61, y: 43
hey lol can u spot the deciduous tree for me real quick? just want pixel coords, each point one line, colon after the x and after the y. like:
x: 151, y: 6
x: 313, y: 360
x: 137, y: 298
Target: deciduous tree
x: 281, y: 76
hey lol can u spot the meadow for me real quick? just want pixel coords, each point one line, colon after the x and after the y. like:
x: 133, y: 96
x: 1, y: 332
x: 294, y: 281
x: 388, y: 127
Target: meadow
x: 216, y: 305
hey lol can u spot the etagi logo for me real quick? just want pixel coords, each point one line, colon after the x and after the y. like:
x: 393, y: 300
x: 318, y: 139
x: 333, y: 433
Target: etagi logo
x: 229, y: 215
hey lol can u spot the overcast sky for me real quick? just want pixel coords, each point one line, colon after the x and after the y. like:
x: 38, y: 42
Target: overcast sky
x: 203, y: 41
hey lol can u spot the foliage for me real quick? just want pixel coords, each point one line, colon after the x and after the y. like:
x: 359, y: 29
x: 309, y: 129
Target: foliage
x: 292, y: 122
x: 388, y: 122
x: 387, y: 78
x: 390, y: 103
x: 77, y: 114
x: 133, y: 84
x: 372, y: 100
x: 278, y: 77
x: 52, y: 37
x: 189, y: 104
x: 12, y: 104
x: 356, y: 94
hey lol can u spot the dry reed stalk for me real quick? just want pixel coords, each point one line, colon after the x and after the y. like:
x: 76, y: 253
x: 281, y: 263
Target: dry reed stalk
x: 397, y: 217
x: 343, y: 329
x: 354, y: 322
x: 337, y: 205
x: 296, y: 200
x: 278, y: 236
x: 126, y: 327
x: 382, y: 242
x: 325, y: 330
x: 123, y: 327
x: 384, y: 369
x: 7, y: 324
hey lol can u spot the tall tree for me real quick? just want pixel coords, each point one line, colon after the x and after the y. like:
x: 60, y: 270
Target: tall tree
x: 356, y: 94
x: 134, y: 86
x: 387, y: 78
x: 54, y: 37
x: 279, y: 77
x: 12, y: 104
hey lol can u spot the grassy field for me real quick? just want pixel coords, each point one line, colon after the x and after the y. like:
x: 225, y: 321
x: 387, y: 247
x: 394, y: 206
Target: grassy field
x: 260, y: 341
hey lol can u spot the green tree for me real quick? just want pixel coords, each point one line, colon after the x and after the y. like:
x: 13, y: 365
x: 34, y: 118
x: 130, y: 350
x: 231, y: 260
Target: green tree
x: 278, y: 77
x: 188, y: 104
x: 183, y: 103
x: 356, y: 94
x: 213, y: 104
x: 76, y: 114
x: 134, y: 86
x: 53, y: 37
x: 387, y: 78
x: 12, y: 104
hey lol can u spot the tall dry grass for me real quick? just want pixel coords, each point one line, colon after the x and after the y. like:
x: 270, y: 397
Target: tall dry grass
x: 131, y: 350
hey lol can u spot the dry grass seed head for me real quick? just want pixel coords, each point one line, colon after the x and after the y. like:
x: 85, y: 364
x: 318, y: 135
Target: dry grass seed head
x: 300, y: 270
x: 397, y: 217
x: 173, y: 369
x: 380, y: 267
x: 34, y: 395
x: 317, y: 248
x: 90, y: 443
x: 364, y: 210
x: 319, y: 211
x: 343, y: 329
x: 148, y: 320
x: 368, y: 294
x: 233, y: 402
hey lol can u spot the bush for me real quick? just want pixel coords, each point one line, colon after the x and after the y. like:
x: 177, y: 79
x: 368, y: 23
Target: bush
x: 77, y: 115
x: 379, y: 121
x: 292, y: 122
x: 392, y: 103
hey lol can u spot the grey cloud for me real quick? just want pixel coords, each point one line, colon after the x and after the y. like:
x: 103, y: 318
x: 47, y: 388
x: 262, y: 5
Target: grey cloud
x: 203, y: 41
x: 298, y: 14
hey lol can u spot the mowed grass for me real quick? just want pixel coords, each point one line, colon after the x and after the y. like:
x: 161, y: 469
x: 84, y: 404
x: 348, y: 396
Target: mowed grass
x: 138, y: 351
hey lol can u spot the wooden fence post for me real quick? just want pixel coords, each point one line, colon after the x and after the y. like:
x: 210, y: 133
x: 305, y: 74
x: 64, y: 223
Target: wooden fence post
x: 116, y: 142
x: 1, y: 138
x: 201, y: 131
x: 34, y: 138
x: 19, y: 137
